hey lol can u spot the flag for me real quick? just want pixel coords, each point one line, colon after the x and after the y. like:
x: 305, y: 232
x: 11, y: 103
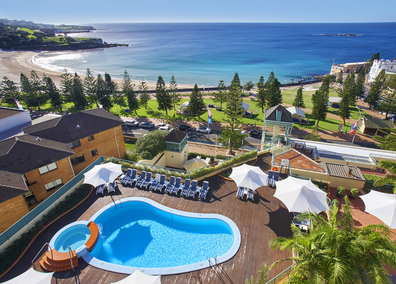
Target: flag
x: 209, y: 117
x: 353, y: 128
x: 19, y: 105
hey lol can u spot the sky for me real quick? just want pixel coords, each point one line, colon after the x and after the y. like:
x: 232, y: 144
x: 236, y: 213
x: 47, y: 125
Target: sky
x: 154, y: 11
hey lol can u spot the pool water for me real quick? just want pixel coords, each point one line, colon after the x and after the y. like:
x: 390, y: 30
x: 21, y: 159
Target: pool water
x: 141, y: 235
x: 75, y: 237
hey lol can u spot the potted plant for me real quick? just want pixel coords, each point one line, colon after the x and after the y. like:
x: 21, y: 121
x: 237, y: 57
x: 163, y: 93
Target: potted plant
x: 354, y: 192
x: 340, y: 191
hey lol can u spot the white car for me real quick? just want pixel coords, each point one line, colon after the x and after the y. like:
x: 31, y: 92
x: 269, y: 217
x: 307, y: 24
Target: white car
x: 133, y: 123
x: 160, y: 125
x: 166, y: 127
x: 203, y: 129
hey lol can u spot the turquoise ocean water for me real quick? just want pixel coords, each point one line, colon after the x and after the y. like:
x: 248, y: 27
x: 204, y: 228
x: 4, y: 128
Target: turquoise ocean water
x: 204, y: 53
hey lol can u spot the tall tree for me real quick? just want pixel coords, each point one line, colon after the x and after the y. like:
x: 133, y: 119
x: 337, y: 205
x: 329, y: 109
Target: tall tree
x: 8, y: 91
x: 233, y: 109
x: 299, y: 100
x: 196, y: 104
x: 320, y: 100
x: 144, y: 96
x: 53, y: 93
x: 163, y: 98
x: 359, y: 85
x: 33, y: 90
x: 261, y: 100
x: 336, y: 251
x: 388, y: 98
x: 79, y: 98
x: 388, y: 142
x: 390, y: 177
x: 340, y: 78
x: 102, y: 97
x: 376, y: 89
x: 221, y: 94
x: 90, y: 87
x: 272, y: 87
x: 173, y: 93
x: 67, y: 86
x: 346, y: 93
x: 127, y: 90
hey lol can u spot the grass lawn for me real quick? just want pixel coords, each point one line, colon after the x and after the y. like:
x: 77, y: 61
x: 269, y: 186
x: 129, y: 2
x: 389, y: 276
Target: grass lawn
x: 130, y: 145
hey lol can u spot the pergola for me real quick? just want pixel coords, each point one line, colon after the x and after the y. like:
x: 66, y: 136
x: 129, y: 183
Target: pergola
x: 277, y: 116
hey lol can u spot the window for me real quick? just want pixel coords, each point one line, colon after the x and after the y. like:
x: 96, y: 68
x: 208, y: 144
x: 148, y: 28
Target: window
x: 30, y: 198
x: 77, y: 160
x: 74, y: 144
x: 47, y: 168
x: 91, y: 137
x: 94, y: 152
x: 52, y: 185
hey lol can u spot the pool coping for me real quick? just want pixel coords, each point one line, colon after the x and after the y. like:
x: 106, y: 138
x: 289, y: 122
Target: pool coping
x: 167, y: 270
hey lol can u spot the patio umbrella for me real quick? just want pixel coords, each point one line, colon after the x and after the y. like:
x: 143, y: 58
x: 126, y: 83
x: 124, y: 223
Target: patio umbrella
x: 382, y: 206
x: 32, y: 276
x: 249, y: 176
x: 301, y: 195
x: 138, y: 278
x: 101, y: 174
x: 194, y: 164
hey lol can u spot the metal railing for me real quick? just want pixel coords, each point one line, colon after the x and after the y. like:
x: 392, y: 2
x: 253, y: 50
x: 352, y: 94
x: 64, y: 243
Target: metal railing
x: 34, y: 258
x: 70, y: 256
x: 281, y: 276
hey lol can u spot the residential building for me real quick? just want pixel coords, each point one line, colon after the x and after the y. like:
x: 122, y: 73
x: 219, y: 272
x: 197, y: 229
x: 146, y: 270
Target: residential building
x: 12, y: 121
x: 346, y: 68
x: 378, y: 65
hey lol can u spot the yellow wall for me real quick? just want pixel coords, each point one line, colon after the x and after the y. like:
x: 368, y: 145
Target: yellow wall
x: 176, y: 160
x: 11, y: 211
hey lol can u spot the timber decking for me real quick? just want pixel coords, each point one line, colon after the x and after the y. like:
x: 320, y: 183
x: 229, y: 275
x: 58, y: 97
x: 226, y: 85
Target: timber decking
x: 259, y: 221
x: 93, y: 238
x: 298, y: 160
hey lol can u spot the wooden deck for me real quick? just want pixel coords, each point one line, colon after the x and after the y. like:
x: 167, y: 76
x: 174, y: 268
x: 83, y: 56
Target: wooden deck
x: 258, y: 221
x: 299, y: 160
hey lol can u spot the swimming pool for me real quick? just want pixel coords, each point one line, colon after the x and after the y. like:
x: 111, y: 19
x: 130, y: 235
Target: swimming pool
x: 159, y: 239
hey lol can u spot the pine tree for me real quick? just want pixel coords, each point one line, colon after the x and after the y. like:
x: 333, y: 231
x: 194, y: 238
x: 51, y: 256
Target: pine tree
x: 163, y: 99
x: 221, y: 94
x: 53, y: 93
x: 101, y: 94
x: 299, y: 100
x: 388, y: 98
x: 359, y: 85
x: 78, y: 92
x: 376, y: 89
x: 340, y: 78
x: 127, y: 90
x: 8, y: 91
x: 346, y: 94
x: 173, y: 93
x: 196, y: 104
x: 233, y: 109
x: 144, y: 96
x: 90, y: 87
x: 320, y: 100
x: 67, y: 86
x: 274, y: 95
x: 33, y: 90
x: 261, y: 100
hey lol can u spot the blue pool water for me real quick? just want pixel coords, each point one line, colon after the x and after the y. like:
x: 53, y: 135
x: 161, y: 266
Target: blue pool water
x: 141, y: 235
x: 75, y: 237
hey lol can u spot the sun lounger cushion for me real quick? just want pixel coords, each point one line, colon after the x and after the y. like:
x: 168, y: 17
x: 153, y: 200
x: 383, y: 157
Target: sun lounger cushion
x: 170, y: 185
x: 240, y: 192
x: 204, y: 190
x: 100, y: 189
x: 186, y: 188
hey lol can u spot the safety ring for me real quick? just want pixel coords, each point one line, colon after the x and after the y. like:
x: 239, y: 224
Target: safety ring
x: 275, y: 169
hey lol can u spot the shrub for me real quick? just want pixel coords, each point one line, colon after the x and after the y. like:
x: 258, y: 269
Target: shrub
x: 340, y: 191
x: 354, y: 192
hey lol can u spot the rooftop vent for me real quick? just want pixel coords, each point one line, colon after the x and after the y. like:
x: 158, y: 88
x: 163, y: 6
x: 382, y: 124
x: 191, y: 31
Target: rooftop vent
x: 78, y: 126
x: 38, y: 138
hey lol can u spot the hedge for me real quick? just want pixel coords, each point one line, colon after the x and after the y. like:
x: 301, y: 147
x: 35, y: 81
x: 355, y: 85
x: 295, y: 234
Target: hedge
x: 369, y: 185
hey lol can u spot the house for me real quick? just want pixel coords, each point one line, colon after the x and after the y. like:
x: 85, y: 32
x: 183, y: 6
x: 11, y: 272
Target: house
x: 378, y: 66
x: 371, y: 126
x: 346, y: 68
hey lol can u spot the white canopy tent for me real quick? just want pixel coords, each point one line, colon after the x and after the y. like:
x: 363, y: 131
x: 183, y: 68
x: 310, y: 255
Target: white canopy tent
x: 249, y: 176
x: 301, y: 195
x: 381, y: 205
x: 295, y: 111
x: 32, y: 276
x: 139, y: 277
x: 102, y: 174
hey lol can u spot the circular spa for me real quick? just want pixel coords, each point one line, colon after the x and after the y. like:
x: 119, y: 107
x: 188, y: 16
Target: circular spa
x: 140, y: 233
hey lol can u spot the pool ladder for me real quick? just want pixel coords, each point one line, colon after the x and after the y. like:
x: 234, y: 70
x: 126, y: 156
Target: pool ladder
x: 46, y: 244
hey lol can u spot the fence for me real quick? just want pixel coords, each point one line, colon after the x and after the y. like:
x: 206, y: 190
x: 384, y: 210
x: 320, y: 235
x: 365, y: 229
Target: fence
x: 281, y: 276
x: 369, y: 184
x: 26, y: 221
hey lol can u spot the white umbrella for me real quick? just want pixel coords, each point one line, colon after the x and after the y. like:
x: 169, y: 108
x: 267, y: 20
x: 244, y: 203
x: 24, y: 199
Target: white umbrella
x: 139, y: 277
x: 249, y: 176
x: 194, y: 164
x: 301, y: 195
x: 32, y: 276
x: 382, y: 206
x: 101, y: 174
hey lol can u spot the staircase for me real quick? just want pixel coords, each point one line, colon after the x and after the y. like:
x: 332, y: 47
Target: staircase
x: 54, y: 260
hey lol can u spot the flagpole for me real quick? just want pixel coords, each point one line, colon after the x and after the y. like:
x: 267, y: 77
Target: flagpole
x: 357, y: 124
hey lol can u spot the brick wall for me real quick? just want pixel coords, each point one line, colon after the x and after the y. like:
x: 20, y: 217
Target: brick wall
x: 11, y: 211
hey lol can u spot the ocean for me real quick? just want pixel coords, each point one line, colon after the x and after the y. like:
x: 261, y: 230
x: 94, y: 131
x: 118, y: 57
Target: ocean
x: 204, y: 53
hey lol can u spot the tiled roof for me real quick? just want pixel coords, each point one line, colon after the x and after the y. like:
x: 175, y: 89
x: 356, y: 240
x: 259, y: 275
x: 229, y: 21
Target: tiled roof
x: 25, y: 153
x: 75, y: 126
x: 270, y: 114
x: 7, y: 112
x: 345, y: 171
x: 378, y: 123
x: 175, y: 136
x: 11, y: 185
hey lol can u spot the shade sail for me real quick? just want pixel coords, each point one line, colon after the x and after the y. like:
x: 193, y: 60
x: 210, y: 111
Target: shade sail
x: 296, y: 110
x: 139, y: 277
x: 194, y: 164
x: 381, y: 205
x: 32, y: 276
x: 102, y: 174
x: 301, y: 195
x: 249, y: 176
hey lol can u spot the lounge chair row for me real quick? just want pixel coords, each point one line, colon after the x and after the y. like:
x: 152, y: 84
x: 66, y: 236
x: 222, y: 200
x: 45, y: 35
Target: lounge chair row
x: 273, y: 176
x: 241, y: 191
x: 174, y: 186
x: 110, y: 188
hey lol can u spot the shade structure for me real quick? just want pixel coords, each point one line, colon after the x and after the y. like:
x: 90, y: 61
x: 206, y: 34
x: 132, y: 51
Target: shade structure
x: 102, y: 174
x: 139, y: 277
x: 382, y: 206
x: 249, y: 176
x: 32, y: 276
x: 301, y: 195
x: 296, y: 111
x: 194, y: 164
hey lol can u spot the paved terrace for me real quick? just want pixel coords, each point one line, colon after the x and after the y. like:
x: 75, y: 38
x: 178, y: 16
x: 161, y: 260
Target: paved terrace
x: 258, y: 221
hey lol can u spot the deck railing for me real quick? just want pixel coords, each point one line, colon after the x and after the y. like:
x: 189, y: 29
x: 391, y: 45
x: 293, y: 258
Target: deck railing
x: 281, y: 276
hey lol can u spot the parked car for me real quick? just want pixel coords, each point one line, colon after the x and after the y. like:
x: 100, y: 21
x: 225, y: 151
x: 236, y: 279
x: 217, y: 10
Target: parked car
x: 203, y: 129
x: 255, y: 133
x: 158, y: 125
x: 145, y: 124
x: 184, y: 127
x: 165, y: 127
x: 127, y: 110
x: 132, y: 123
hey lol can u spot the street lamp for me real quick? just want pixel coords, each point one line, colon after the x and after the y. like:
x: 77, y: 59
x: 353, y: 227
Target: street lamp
x: 346, y: 130
x: 357, y: 124
x: 255, y: 118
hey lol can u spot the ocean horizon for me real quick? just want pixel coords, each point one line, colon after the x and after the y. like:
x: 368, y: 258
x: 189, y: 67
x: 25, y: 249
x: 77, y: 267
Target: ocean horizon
x: 204, y: 53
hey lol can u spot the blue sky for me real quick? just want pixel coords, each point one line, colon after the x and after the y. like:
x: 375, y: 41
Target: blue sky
x: 130, y: 11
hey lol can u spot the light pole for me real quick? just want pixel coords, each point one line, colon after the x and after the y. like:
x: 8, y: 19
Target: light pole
x: 117, y: 109
x: 357, y: 124
x: 346, y: 130
x: 255, y: 118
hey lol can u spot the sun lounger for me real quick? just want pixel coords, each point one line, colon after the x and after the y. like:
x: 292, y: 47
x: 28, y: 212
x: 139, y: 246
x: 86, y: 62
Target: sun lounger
x: 133, y: 178
x: 178, y: 186
x: 100, y: 189
x: 270, y: 177
x: 204, y: 190
x: 126, y: 177
x: 186, y: 188
x: 111, y: 186
x: 170, y: 185
x: 147, y: 182
x: 194, y: 189
x: 250, y: 195
x: 240, y: 191
x: 141, y: 180
x: 159, y: 184
x: 155, y: 182
x: 276, y: 178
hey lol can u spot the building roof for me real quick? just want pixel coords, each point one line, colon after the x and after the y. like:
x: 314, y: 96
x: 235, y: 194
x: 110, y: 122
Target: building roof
x: 7, y: 112
x: 345, y: 171
x: 335, y: 99
x: 175, y: 136
x: 22, y: 154
x: 75, y: 126
x: 296, y: 110
x: 378, y: 123
x: 270, y: 114
x: 11, y: 185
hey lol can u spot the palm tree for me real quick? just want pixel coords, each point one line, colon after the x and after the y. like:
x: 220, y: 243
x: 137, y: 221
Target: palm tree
x: 335, y: 251
x: 390, y: 177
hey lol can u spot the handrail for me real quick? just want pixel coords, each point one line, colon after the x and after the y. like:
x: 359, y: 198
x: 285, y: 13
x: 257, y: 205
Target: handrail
x: 70, y: 256
x: 46, y: 244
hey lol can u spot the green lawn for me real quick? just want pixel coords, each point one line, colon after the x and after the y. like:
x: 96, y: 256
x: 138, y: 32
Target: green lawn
x: 130, y: 145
